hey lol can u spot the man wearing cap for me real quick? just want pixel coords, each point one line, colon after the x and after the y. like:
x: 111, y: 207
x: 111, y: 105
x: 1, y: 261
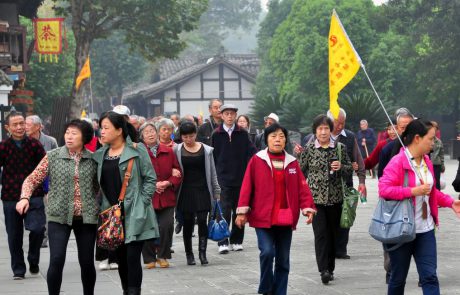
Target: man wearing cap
x: 260, y: 141
x: 205, y: 130
x: 122, y: 110
x: 232, y: 151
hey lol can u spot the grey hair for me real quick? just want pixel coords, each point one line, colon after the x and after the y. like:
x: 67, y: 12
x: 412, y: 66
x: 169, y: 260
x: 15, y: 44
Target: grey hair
x: 135, y: 117
x: 145, y: 125
x: 35, y: 119
x: 164, y: 121
x: 403, y: 113
x: 341, y: 111
x: 363, y: 121
x: 213, y: 100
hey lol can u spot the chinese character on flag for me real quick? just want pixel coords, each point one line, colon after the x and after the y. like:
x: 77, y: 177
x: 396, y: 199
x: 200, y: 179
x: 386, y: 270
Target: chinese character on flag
x: 48, y: 37
x: 344, y: 62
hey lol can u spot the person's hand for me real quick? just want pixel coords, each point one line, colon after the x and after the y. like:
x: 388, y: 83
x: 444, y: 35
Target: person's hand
x: 458, y: 137
x: 22, y: 206
x: 362, y: 189
x: 421, y: 190
x: 355, y: 166
x: 297, y: 149
x: 241, y: 220
x: 309, y: 216
x: 176, y: 173
x: 163, y: 185
x: 363, y: 142
x: 456, y: 207
x: 336, y: 165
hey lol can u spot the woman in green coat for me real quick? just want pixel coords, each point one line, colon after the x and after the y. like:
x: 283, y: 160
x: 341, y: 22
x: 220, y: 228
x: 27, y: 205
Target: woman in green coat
x: 139, y: 218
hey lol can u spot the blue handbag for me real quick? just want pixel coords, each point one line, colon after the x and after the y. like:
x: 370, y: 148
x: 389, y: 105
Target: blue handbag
x: 217, y: 230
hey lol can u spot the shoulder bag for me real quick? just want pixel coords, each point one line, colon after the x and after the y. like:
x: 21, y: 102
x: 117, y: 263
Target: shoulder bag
x: 217, y: 230
x: 350, y: 199
x: 393, y: 222
x: 111, y: 234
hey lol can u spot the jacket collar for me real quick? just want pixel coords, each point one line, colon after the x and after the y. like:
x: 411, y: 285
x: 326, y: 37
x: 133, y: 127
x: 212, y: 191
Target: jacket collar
x: 64, y: 153
x: 221, y: 129
x: 406, y: 164
x: 263, y: 154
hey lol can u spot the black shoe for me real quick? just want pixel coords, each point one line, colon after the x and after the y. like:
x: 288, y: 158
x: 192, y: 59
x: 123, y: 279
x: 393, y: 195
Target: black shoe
x: 190, y: 259
x: 171, y: 250
x: 332, y: 276
x: 325, y: 277
x: 387, y: 278
x: 344, y: 256
x: 178, y: 228
x: 202, y: 245
x: 189, y: 251
x: 34, y: 269
x: 134, y: 291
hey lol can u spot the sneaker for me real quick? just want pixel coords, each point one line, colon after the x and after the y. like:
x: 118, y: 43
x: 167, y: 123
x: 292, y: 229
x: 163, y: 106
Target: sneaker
x: 113, y: 265
x: 223, y: 249
x: 237, y: 247
x: 104, y: 265
x: 34, y: 269
x: 18, y: 277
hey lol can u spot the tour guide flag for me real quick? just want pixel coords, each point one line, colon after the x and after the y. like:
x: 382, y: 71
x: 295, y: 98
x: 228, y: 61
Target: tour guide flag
x: 344, y: 62
x: 85, y: 73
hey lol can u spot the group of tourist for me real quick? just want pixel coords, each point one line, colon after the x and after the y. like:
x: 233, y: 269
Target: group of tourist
x: 181, y: 168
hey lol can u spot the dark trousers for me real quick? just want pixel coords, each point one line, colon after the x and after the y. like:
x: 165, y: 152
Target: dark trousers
x: 274, y: 244
x: 85, y: 236
x: 229, y: 200
x: 33, y: 221
x: 325, y: 228
x: 437, y: 175
x: 189, y: 224
x: 129, y: 264
x: 160, y: 248
x: 342, y: 241
x: 423, y: 248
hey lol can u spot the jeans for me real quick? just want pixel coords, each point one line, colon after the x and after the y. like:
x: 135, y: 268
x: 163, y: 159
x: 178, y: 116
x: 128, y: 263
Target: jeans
x: 325, y: 228
x: 274, y: 243
x: 33, y: 221
x: 129, y: 264
x: 423, y: 248
x: 85, y: 236
x: 229, y: 202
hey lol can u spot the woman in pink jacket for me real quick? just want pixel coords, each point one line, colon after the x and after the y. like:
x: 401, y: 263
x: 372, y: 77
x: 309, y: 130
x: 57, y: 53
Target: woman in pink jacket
x: 272, y: 194
x: 419, y: 140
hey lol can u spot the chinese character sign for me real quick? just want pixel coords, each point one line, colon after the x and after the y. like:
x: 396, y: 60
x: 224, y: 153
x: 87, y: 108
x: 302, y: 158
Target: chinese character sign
x: 48, y: 37
x: 344, y: 61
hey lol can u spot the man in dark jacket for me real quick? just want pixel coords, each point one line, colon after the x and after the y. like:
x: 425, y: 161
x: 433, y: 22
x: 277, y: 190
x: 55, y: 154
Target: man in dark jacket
x: 19, y: 155
x: 205, y: 130
x: 232, y: 152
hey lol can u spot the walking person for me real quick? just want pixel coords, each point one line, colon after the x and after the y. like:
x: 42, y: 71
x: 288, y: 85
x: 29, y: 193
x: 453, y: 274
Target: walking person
x: 19, y: 155
x: 199, y: 187
x: 272, y: 207
x: 139, y: 220
x: 437, y: 157
x: 164, y: 161
x: 321, y: 166
x: 215, y: 119
x: 418, y: 137
x: 232, y: 152
x: 72, y: 204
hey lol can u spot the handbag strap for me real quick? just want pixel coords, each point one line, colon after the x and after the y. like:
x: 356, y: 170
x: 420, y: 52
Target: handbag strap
x: 339, y: 156
x: 121, y: 197
x: 216, y: 206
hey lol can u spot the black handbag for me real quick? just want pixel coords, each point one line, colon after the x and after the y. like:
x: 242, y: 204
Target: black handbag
x: 217, y: 230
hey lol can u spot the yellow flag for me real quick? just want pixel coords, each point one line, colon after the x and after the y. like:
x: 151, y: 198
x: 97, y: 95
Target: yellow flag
x: 344, y: 62
x: 85, y: 73
x: 83, y: 114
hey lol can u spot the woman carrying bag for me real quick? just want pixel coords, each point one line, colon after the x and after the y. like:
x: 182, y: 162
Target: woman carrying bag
x: 198, y: 188
x: 273, y: 193
x: 139, y: 221
x: 419, y: 139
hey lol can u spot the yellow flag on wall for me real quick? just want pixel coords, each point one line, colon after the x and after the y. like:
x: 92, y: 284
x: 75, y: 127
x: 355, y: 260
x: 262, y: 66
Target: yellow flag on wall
x: 344, y: 62
x: 85, y: 73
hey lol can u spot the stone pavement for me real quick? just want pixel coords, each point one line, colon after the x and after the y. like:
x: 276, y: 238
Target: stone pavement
x: 238, y: 273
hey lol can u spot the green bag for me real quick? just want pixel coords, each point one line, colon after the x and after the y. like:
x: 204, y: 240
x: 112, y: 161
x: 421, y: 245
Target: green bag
x: 350, y: 200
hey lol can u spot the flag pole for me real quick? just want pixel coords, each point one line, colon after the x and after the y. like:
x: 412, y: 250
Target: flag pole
x: 91, y: 94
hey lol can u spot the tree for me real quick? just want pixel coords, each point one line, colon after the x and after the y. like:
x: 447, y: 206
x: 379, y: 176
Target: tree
x: 151, y: 27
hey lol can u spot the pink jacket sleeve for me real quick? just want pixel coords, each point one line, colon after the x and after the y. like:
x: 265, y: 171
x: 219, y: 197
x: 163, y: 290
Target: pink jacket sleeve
x: 443, y: 199
x: 391, y: 184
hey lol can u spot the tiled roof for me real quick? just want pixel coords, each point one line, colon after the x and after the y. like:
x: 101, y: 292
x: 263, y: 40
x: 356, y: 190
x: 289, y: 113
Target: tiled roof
x: 173, y: 71
x: 4, y: 79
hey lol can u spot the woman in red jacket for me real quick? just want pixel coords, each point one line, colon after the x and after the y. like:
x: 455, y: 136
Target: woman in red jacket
x: 272, y: 207
x: 164, y: 161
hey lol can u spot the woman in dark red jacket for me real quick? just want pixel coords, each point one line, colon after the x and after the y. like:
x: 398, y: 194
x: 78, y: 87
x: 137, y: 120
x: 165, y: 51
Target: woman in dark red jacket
x: 273, y: 207
x: 164, y: 162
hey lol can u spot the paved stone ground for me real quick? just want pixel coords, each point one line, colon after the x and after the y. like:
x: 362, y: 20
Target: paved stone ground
x: 238, y: 273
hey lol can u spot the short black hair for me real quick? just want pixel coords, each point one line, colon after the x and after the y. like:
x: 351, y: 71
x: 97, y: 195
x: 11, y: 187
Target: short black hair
x: 13, y: 114
x: 87, y: 131
x: 187, y: 127
x: 322, y: 120
x: 272, y: 128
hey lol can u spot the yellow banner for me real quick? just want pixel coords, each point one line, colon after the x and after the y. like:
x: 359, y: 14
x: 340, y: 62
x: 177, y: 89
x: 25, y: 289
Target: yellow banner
x: 85, y: 73
x: 48, y: 35
x: 344, y: 62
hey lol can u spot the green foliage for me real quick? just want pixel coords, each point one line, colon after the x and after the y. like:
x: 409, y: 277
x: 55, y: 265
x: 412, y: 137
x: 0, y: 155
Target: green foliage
x: 49, y: 80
